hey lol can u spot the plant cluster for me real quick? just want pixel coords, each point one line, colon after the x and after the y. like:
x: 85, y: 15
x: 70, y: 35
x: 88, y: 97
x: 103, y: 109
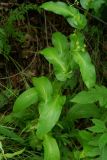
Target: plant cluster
x: 48, y: 118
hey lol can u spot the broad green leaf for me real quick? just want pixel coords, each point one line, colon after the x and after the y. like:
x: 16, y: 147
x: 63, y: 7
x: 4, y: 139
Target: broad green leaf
x: 49, y: 114
x: 77, y: 42
x: 87, y: 69
x: 60, y: 65
x: 43, y: 87
x: 51, y: 149
x: 77, y: 20
x: 99, y: 93
x: 60, y: 8
x: 102, y: 141
x: 52, y: 55
x: 11, y: 155
x: 9, y: 133
x: 14, y: 115
x: 83, y: 111
x: 86, y: 97
x: 99, y: 126
x: 84, y: 138
x: 25, y: 100
x: 60, y: 42
x: 92, y: 4
x: 72, y: 14
x: 89, y: 151
x: 97, y: 4
x: 85, y: 4
x: 83, y: 59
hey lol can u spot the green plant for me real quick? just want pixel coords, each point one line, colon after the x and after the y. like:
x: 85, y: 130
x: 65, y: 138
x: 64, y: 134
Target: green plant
x: 94, y: 142
x: 95, y: 5
x: 72, y: 15
x: 53, y: 123
x: 63, y: 58
x: 50, y: 106
x: 10, y: 31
